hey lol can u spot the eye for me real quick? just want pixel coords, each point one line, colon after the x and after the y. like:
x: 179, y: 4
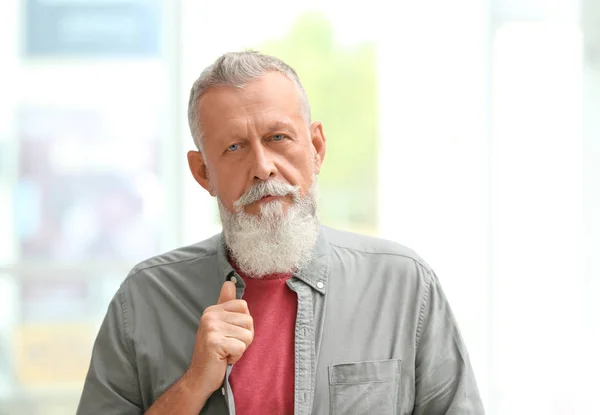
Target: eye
x: 233, y: 147
x: 279, y: 137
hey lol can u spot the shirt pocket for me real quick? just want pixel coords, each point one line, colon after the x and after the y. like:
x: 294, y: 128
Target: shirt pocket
x: 364, y: 387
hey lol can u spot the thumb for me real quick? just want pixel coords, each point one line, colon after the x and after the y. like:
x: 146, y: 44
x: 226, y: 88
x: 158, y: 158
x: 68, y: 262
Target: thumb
x: 227, y: 292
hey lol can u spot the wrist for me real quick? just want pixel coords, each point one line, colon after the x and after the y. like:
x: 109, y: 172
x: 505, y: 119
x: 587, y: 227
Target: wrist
x: 194, y: 389
x: 184, y: 397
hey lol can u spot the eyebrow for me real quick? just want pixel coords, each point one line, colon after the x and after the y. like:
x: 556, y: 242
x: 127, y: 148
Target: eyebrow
x: 277, y: 125
x: 280, y: 125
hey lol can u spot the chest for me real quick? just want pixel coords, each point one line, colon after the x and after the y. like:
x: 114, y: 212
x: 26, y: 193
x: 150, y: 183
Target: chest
x: 347, y: 348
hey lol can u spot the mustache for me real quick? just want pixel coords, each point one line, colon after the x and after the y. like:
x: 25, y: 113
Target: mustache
x: 269, y: 188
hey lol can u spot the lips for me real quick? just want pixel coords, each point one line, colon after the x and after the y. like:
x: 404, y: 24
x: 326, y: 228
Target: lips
x: 267, y: 198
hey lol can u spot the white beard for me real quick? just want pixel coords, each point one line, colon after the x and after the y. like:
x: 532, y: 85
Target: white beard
x: 274, y: 241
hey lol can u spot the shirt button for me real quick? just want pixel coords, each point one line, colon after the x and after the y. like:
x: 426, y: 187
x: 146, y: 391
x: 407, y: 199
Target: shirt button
x: 233, y: 279
x: 320, y: 284
x: 223, y: 391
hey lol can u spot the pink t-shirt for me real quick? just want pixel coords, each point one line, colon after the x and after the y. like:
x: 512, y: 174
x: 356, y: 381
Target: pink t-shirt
x: 262, y: 381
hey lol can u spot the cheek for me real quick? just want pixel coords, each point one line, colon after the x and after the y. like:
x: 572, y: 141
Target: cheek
x: 300, y: 170
x: 306, y: 164
x: 229, y: 187
x: 300, y: 158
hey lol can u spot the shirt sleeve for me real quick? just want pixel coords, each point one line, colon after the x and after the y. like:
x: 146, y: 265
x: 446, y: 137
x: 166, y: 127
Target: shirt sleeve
x: 445, y: 383
x: 111, y: 385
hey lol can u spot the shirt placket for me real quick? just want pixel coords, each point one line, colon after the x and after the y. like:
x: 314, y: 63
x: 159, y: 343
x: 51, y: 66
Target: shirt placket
x: 226, y: 388
x: 304, y: 348
x: 226, y: 391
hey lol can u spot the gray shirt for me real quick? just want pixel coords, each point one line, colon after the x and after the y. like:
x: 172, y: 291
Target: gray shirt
x: 374, y: 333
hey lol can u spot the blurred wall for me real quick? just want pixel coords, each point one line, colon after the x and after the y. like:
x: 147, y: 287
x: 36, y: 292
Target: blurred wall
x: 467, y: 130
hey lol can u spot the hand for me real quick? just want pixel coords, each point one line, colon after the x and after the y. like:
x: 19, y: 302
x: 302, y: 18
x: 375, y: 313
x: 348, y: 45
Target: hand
x: 225, y: 332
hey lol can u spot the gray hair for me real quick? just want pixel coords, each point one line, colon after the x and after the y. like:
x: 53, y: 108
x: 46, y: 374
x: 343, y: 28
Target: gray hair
x: 237, y: 69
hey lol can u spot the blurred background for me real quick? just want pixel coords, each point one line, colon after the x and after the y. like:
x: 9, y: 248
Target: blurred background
x: 467, y: 130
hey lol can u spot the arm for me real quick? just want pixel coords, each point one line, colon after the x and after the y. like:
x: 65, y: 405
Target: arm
x: 225, y: 331
x: 111, y: 385
x: 445, y: 383
x: 184, y: 397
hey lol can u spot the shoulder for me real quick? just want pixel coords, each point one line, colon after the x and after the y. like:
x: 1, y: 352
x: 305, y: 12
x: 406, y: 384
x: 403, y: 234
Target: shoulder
x: 186, y: 254
x: 177, y: 266
x: 376, y: 248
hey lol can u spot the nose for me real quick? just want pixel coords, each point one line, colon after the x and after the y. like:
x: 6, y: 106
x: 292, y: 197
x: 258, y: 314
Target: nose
x: 264, y: 166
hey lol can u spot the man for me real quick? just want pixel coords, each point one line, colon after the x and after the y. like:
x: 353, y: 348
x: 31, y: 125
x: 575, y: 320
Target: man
x: 277, y: 315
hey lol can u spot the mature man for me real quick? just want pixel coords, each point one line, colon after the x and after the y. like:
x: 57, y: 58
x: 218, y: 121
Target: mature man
x: 277, y: 315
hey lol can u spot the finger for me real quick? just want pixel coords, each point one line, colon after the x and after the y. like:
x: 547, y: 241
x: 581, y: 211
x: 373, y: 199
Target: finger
x: 232, y: 349
x: 215, y: 328
x: 238, y: 319
x: 233, y: 358
x: 227, y: 292
x: 234, y: 332
x: 235, y: 306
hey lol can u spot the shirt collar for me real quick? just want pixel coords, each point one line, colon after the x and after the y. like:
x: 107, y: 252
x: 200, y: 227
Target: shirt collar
x: 226, y: 271
x: 315, y: 273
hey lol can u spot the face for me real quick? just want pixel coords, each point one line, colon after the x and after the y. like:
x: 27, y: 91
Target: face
x: 256, y: 134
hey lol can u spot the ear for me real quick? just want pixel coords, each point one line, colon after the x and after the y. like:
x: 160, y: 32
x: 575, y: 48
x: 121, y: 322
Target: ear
x: 199, y: 170
x: 318, y: 140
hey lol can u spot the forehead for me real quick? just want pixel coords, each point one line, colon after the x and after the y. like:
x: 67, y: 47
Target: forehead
x: 272, y: 95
